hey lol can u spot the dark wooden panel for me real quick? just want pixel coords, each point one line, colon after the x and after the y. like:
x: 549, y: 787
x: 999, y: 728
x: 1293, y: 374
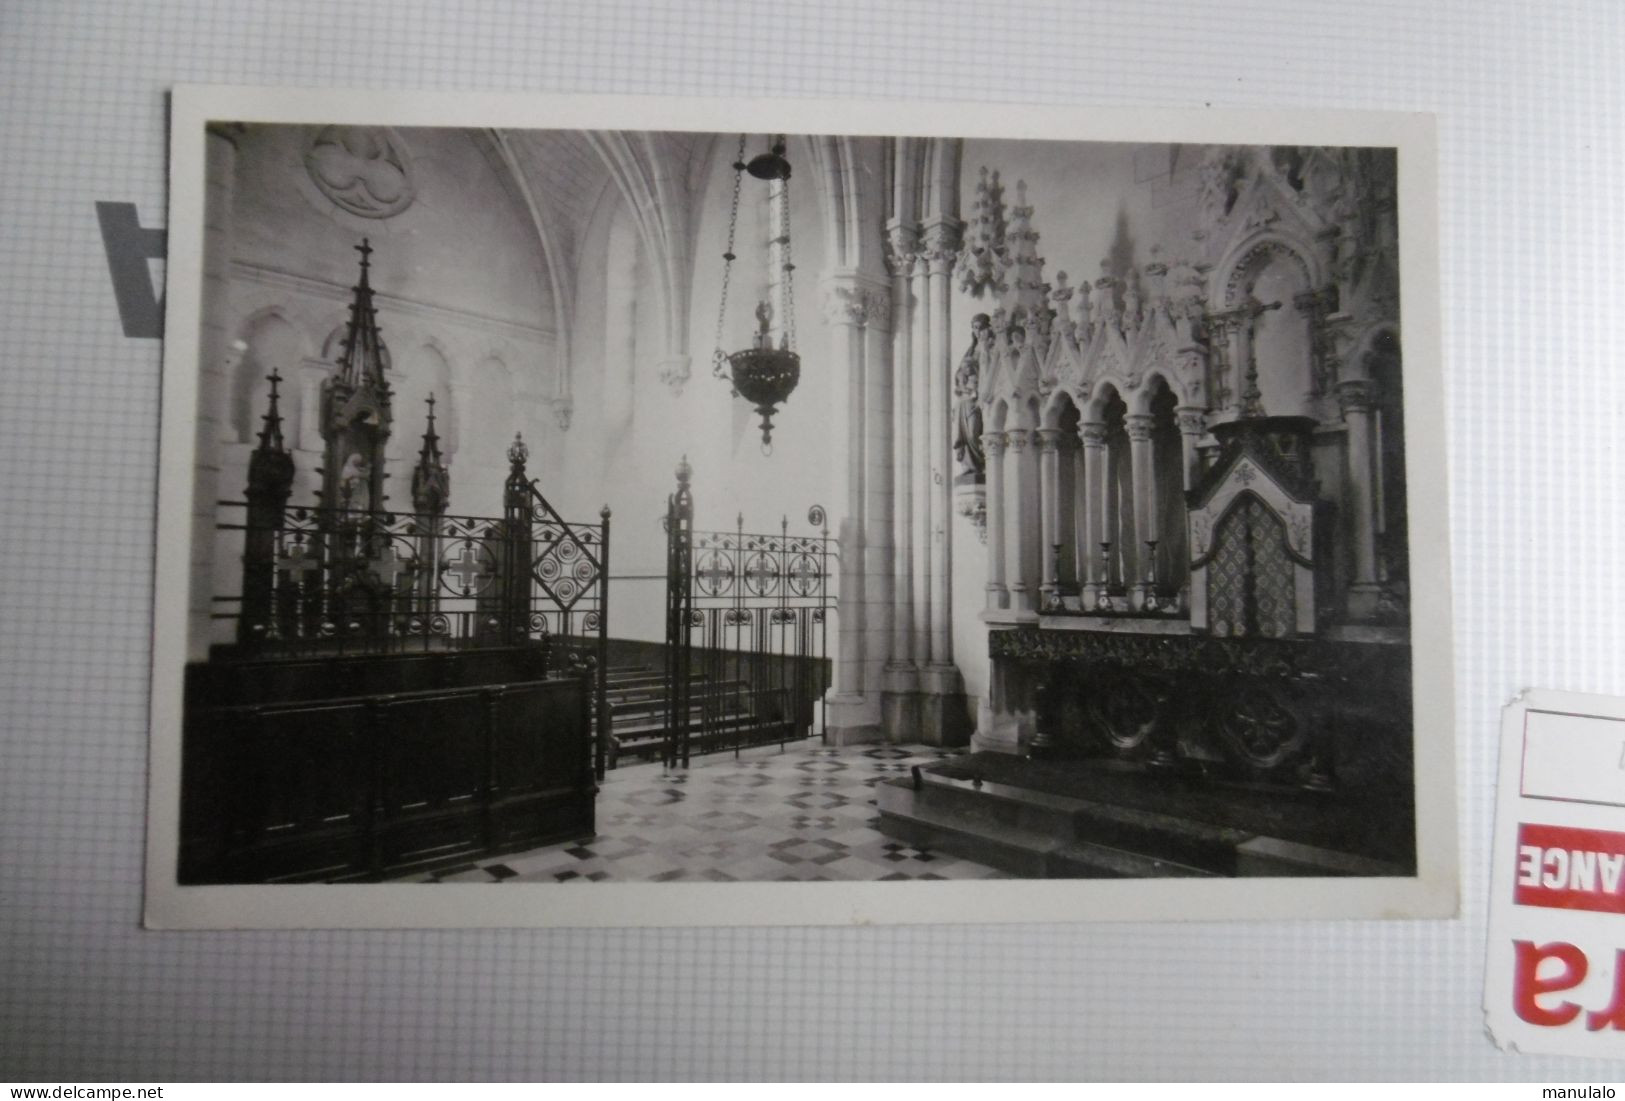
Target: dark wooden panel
x: 534, y: 780
x: 373, y: 785
x: 241, y: 683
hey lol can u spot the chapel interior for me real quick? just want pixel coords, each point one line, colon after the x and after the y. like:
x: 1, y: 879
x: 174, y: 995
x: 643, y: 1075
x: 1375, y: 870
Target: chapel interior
x: 666, y: 505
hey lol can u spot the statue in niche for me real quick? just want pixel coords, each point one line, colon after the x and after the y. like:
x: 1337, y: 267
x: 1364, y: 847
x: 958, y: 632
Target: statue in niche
x: 354, y: 481
x: 967, y: 403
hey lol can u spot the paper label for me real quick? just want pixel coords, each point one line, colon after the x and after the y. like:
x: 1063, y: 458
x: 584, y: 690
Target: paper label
x: 1555, y: 973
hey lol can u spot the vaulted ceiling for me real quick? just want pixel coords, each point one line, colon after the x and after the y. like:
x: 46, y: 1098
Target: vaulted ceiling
x: 560, y: 177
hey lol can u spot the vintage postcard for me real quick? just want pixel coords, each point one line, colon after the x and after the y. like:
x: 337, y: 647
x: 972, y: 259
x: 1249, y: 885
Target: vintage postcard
x: 595, y: 511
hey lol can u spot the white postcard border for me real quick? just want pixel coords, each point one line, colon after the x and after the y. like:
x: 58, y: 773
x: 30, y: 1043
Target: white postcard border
x: 1433, y: 892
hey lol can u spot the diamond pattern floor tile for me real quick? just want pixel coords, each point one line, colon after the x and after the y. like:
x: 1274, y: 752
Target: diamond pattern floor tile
x: 803, y: 813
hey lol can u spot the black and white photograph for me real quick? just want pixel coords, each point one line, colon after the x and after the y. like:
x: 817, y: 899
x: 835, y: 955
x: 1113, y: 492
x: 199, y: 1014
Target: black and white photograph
x: 561, y: 496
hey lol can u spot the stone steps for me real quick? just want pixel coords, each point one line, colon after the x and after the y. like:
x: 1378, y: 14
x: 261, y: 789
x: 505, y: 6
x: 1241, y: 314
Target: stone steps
x: 1020, y: 849
x: 1040, y: 834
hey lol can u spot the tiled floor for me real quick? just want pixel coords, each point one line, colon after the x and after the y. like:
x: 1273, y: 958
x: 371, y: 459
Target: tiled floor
x: 806, y: 812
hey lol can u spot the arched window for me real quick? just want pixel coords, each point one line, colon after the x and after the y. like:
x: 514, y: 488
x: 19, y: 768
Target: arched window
x: 1172, y: 566
x: 1269, y: 330
x: 425, y: 371
x: 1118, y: 507
x: 269, y: 343
x: 488, y: 416
x: 1071, y: 559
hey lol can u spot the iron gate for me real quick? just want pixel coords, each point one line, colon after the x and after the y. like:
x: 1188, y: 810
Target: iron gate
x: 746, y: 631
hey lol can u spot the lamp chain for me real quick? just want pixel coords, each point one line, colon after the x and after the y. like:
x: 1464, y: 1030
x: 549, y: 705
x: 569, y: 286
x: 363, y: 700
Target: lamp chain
x: 789, y: 267
x: 721, y: 357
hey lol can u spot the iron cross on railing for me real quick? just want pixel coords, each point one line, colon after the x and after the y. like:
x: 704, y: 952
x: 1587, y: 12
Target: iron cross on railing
x: 805, y: 574
x: 296, y: 561
x: 718, y: 572
x: 760, y: 569
x: 389, y: 564
x: 468, y: 567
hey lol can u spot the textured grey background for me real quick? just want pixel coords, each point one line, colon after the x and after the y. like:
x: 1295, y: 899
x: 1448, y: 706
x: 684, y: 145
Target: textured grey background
x: 1529, y: 105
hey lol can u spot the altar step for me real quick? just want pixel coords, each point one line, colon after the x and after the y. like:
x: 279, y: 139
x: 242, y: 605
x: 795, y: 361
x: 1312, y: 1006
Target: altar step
x: 1039, y: 834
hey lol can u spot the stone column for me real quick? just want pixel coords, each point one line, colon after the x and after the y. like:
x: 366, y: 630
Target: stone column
x: 919, y: 468
x: 1049, y: 508
x: 1022, y: 584
x: 998, y: 595
x: 219, y: 186
x: 1192, y: 423
x: 1096, y: 529
x: 1145, y: 496
x: 1226, y: 340
x: 1354, y: 395
x: 943, y: 718
x: 879, y: 555
x: 941, y: 248
x: 851, y: 718
x: 902, y: 675
x: 1078, y: 520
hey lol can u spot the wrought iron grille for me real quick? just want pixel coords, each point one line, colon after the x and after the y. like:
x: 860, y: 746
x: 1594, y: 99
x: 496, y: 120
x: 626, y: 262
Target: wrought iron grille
x: 1252, y: 589
x: 747, y: 632
x: 332, y: 581
x: 342, y: 581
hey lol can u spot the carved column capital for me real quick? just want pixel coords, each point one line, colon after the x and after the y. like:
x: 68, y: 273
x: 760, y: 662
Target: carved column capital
x: 938, y: 261
x: 1017, y: 439
x: 993, y: 443
x: 1049, y: 439
x: 563, y: 409
x: 674, y: 372
x: 900, y: 263
x: 849, y: 302
x: 940, y: 241
x: 1354, y: 395
x: 1192, y: 420
x: 845, y: 304
x: 902, y: 246
x: 1092, y: 433
x: 1139, y: 426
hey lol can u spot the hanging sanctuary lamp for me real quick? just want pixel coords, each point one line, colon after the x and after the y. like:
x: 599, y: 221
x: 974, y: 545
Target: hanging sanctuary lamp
x: 765, y: 373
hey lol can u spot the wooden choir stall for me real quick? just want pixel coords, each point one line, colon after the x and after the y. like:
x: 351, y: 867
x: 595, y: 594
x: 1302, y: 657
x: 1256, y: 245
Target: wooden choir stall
x: 401, y: 690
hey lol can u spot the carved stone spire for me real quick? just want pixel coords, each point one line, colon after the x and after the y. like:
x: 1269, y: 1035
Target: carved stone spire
x: 1028, y: 291
x: 431, y: 481
x: 270, y: 467
x: 361, y: 363
x: 981, y: 262
x: 271, y: 422
x: 270, y: 478
x: 356, y: 408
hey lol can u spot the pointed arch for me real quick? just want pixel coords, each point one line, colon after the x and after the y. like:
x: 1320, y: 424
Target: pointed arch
x: 1250, y: 253
x: 560, y: 283
x: 1146, y: 392
x: 645, y: 180
x: 267, y: 340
